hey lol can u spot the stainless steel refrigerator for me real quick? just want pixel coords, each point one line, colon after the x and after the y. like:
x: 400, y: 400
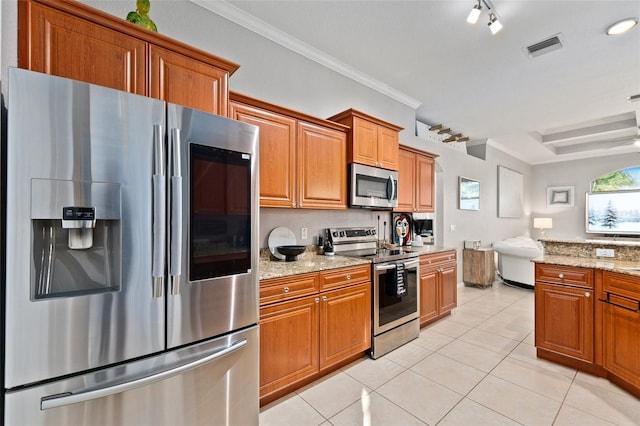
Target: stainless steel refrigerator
x: 131, y: 286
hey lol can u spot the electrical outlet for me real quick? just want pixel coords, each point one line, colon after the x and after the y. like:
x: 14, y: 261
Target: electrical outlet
x: 600, y: 252
x: 452, y: 228
x: 303, y: 233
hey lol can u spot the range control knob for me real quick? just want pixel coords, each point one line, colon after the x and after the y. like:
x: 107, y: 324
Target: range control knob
x: 335, y: 233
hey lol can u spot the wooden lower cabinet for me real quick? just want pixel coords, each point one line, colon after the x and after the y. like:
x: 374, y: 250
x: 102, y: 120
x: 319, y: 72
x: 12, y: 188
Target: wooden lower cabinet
x: 564, y: 320
x: 438, y: 286
x: 288, y: 343
x: 306, y: 337
x: 589, y: 319
x: 345, y: 323
x: 621, y: 327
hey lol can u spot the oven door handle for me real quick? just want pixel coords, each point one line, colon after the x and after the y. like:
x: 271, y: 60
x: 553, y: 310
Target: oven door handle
x: 385, y: 267
x: 411, y: 264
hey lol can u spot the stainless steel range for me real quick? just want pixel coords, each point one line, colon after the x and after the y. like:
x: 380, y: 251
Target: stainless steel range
x: 396, y: 290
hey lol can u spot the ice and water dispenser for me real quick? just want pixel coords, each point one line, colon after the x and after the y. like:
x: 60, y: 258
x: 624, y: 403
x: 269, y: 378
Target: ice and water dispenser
x: 76, y: 237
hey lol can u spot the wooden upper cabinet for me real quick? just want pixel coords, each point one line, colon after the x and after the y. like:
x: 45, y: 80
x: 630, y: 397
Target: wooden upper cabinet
x: 407, y: 181
x: 425, y: 167
x: 70, y: 39
x: 180, y: 80
x: 302, y: 158
x: 416, y: 178
x: 322, y: 167
x: 71, y: 47
x: 277, y: 153
x: 370, y: 141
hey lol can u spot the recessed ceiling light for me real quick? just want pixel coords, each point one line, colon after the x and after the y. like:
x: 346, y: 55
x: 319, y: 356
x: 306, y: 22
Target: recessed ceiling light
x: 622, y: 26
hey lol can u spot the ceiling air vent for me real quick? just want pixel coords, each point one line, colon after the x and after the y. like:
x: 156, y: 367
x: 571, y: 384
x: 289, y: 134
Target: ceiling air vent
x: 544, y: 46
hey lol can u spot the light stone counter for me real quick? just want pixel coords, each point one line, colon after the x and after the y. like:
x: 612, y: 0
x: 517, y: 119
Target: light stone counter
x: 620, y: 266
x: 311, y: 261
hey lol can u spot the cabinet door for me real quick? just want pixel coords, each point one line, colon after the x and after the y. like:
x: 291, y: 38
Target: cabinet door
x: 345, y: 323
x: 185, y: 81
x: 322, y: 169
x: 66, y: 46
x: 288, y: 343
x: 277, y: 154
x: 406, y: 181
x: 425, y: 179
x: 564, y: 320
x: 388, y: 145
x: 429, y: 303
x: 448, y: 287
x: 365, y: 142
x: 620, y: 336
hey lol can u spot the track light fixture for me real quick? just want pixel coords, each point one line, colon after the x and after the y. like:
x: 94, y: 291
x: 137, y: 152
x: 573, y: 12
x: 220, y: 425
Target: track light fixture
x: 475, y: 13
x: 494, y: 23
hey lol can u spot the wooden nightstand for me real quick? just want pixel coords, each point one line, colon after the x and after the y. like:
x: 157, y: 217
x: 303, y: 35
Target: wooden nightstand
x: 479, y: 268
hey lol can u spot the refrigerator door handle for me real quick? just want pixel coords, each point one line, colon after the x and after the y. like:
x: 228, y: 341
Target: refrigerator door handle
x: 159, y: 212
x: 73, y: 398
x: 175, y: 236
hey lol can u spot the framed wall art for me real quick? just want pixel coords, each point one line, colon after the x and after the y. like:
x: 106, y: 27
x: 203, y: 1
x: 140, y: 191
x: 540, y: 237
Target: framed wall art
x: 560, y: 196
x: 468, y: 194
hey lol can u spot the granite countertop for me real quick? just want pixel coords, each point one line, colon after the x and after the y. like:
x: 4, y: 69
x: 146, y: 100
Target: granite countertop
x: 620, y: 266
x: 311, y: 261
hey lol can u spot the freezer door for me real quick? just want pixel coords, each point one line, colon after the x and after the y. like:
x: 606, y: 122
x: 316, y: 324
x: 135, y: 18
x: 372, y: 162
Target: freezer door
x: 79, y: 287
x: 211, y: 383
x: 213, y: 232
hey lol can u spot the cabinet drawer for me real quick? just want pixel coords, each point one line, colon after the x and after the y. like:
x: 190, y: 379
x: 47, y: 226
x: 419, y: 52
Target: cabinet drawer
x: 432, y: 260
x: 279, y: 289
x: 623, y: 285
x: 335, y: 278
x: 566, y: 275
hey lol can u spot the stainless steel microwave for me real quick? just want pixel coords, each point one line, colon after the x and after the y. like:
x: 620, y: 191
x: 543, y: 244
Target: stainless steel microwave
x: 372, y: 187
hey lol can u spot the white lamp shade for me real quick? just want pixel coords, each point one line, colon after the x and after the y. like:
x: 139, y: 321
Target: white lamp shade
x: 542, y: 223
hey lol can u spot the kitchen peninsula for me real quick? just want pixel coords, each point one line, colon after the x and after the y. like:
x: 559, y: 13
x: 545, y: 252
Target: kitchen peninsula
x: 587, y: 308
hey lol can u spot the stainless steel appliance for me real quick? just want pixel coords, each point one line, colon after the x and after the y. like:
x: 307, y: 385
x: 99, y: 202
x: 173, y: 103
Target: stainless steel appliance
x: 396, y: 290
x: 423, y: 224
x: 372, y: 187
x: 131, y: 285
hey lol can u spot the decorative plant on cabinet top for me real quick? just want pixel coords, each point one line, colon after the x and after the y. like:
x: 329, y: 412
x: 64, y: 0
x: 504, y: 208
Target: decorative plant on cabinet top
x: 141, y: 15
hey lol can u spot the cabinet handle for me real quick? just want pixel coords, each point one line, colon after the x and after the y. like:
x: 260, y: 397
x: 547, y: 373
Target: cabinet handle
x: 429, y: 261
x: 317, y: 300
x: 587, y: 294
x: 301, y: 203
x: 348, y: 276
x: 286, y: 289
x: 293, y: 204
x: 561, y: 276
x: 324, y: 298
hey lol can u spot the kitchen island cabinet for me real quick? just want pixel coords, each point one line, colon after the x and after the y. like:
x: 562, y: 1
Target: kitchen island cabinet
x: 438, y: 286
x: 302, y: 158
x: 621, y: 328
x: 371, y: 141
x: 587, y: 316
x: 70, y: 39
x: 311, y: 324
x: 416, y: 178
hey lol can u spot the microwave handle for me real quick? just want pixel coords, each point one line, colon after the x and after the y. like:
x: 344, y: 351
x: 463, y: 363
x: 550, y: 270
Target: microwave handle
x: 391, y: 189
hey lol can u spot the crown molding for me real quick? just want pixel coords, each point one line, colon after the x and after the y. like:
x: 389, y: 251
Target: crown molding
x: 250, y: 22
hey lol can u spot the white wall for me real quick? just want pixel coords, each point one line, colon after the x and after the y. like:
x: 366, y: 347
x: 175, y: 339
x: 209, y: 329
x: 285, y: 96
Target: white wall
x: 569, y: 222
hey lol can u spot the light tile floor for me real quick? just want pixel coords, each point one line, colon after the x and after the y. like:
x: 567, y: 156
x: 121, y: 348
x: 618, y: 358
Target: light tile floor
x: 476, y: 367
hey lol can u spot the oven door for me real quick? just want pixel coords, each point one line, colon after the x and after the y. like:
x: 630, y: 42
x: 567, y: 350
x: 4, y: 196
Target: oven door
x: 391, y: 307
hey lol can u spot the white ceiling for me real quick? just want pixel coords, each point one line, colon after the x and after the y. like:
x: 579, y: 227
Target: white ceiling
x: 566, y: 104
